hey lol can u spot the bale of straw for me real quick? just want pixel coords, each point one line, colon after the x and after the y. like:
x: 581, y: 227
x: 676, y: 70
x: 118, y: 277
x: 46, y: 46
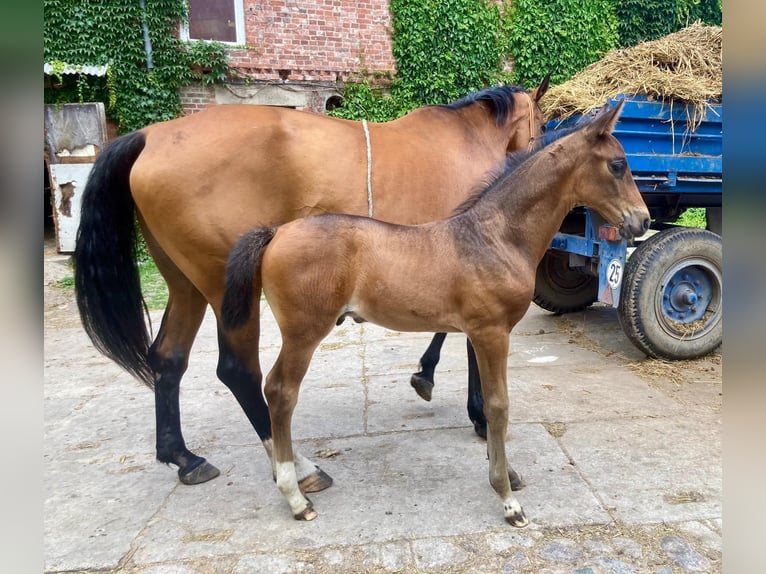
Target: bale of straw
x: 683, y: 66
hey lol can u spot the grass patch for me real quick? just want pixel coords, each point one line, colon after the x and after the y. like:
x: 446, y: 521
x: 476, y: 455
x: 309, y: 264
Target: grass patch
x: 693, y: 217
x: 153, y: 286
x: 66, y: 283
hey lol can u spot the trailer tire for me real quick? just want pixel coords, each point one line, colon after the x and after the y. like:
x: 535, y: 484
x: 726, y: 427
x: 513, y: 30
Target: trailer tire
x: 560, y: 289
x: 671, y: 304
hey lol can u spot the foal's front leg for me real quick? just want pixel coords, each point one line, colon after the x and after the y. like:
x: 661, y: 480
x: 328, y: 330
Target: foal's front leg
x: 492, y: 358
x: 476, y: 410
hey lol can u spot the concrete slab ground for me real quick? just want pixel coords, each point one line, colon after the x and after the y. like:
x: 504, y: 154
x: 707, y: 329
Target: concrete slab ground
x: 621, y: 457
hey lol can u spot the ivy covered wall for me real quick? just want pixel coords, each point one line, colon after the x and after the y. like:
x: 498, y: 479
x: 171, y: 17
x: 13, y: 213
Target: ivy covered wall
x: 559, y: 36
x: 87, y: 33
x: 442, y: 50
x: 641, y: 20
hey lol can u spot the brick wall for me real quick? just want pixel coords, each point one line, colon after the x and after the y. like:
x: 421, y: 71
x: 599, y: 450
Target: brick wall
x: 319, y: 40
x: 196, y: 97
x: 304, y: 44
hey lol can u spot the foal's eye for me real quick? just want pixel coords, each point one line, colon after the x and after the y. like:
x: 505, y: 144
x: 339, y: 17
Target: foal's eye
x: 618, y: 166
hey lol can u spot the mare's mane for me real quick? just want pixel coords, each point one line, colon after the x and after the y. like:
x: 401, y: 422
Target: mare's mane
x: 499, y: 99
x: 511, y: 163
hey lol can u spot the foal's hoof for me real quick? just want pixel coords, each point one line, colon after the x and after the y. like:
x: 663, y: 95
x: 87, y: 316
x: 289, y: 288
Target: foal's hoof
x: 315, y: 482
x: 423, y: 387
x: 517, y: 519
x: 308, y: 513
x: 203, y: 472
x: 516, y: 481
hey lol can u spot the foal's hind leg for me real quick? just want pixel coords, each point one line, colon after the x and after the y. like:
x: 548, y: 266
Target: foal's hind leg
x: 282, y: 386
x: 423, y: 380
x: 244, y: 381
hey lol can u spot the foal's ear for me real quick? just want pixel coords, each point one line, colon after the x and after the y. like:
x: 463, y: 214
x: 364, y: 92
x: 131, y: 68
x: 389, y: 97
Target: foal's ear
x: 603, y: 123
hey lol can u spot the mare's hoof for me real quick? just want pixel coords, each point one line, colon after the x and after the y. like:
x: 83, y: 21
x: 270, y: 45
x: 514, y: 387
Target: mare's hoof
x: 517, y: 519
x: 480, y: 429
x: 308, y: 513
x: 203, y: 472
x: 516, y: 481
x: 315, y: 482
x: 423, y: 387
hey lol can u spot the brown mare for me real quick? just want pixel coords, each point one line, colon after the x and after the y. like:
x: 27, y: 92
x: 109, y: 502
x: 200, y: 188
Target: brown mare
x: 473, y: 272
x: 199, y: 182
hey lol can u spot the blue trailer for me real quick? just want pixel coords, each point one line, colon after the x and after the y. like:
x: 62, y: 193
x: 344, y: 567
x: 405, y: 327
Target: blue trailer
x: 666, y: 287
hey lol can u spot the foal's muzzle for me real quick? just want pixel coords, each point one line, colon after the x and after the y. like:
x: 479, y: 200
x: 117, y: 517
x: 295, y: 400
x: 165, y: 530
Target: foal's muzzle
x: 635, y: 224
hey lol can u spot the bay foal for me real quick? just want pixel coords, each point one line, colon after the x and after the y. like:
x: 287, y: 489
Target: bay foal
x: 472, y: 272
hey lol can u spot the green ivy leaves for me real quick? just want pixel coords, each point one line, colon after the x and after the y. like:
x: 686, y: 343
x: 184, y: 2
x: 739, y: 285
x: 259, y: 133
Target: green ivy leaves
x: 559, y: 36
x: 85, y: 32
x: 641, y: 20
x: 444, y: 49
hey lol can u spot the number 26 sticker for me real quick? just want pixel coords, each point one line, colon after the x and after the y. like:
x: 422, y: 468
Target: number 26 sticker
x: 614, y: 273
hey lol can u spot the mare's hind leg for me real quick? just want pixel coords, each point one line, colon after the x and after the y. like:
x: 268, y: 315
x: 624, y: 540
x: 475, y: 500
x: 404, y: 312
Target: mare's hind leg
x: 423, y: 380
x: 168, y: 357
x: 476, y: 409
x: 244, y: 381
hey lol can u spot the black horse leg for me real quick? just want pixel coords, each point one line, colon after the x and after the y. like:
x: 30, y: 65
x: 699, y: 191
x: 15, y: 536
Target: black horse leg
x: 475, y: 402
x: 476, y: 409
x: 423, y: 380
x: 171, y: 448
x: 246, y: 388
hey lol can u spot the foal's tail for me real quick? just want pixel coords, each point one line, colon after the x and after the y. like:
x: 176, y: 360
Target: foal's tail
x: 242, y: 268
x: 106, y: 277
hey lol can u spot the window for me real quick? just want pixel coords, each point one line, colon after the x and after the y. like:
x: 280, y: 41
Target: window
x: 219, y: 20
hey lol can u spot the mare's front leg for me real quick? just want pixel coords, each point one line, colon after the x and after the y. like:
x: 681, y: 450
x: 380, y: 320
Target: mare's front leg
x: 423, y: 380
x: 475, y: 403
x: 168, y: 358
x: 491, y: 347
x: 244, y: 381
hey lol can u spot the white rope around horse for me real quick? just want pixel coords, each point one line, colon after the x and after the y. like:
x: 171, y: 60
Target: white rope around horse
x: 369, y: 168
x: 532, y: 134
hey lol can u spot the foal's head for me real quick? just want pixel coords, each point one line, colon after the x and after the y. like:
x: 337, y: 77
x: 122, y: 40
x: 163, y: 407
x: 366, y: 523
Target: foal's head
x: 602, y: 179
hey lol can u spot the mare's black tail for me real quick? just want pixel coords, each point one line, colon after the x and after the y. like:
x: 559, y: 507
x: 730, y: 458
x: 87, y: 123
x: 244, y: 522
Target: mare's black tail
x: 106, y: 277
x: 242, y: 269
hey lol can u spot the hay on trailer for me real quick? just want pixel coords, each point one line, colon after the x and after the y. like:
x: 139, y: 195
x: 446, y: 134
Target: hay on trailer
x: 683, y: 66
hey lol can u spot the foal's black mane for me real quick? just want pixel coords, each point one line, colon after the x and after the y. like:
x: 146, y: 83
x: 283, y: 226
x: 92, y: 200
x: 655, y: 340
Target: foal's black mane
x: 499, y: 98
x: 512, y: 162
